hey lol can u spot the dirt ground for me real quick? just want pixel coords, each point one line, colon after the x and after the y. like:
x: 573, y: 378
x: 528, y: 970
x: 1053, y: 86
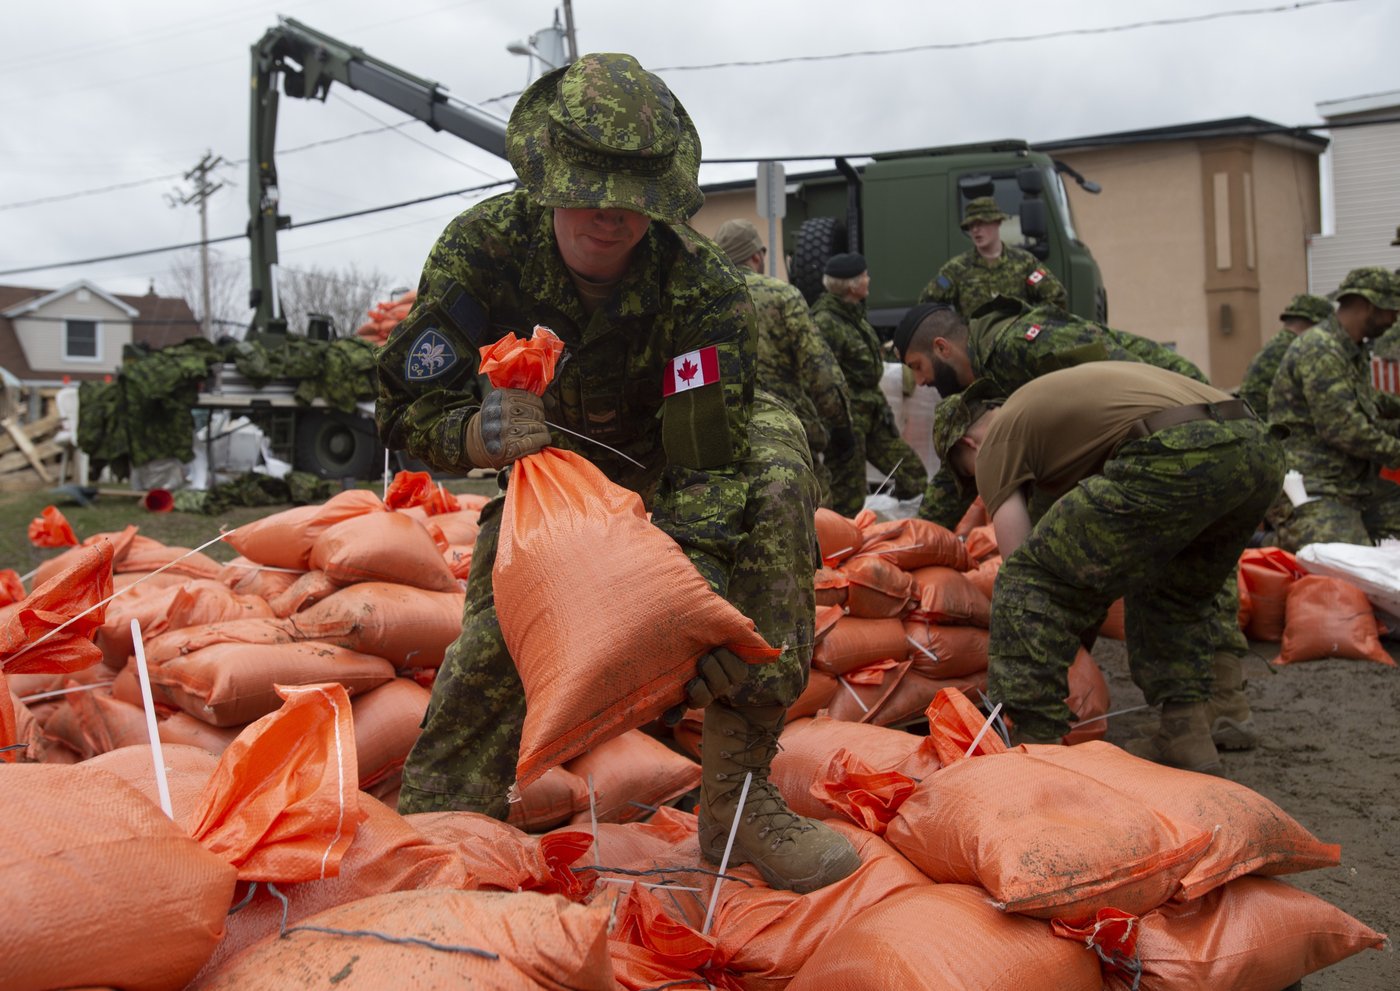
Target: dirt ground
x: 1330, y: 758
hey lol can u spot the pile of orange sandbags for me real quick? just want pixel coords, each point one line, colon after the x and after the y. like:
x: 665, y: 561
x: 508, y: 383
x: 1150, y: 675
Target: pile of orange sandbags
x: 903, y: 609
x: 385, y: 316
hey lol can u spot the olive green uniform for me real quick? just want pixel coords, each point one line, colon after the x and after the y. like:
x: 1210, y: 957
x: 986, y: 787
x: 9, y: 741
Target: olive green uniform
x: 968, y: 281
x: 1158, y: 518
x: 1259, y: 376
x: 796, y: 365
x: 727, y: 476
x: 857, y: 349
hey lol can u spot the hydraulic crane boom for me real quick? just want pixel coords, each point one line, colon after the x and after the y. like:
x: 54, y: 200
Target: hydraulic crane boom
x: 308, y: 63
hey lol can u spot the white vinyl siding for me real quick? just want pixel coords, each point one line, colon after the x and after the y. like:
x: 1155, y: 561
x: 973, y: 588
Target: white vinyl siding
x: 1366, y: 204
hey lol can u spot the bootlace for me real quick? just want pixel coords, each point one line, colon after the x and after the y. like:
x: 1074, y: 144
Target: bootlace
x: 765, y: 804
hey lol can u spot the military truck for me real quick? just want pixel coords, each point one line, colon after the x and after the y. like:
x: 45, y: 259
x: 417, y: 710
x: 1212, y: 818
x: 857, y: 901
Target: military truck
x: 902, y: 210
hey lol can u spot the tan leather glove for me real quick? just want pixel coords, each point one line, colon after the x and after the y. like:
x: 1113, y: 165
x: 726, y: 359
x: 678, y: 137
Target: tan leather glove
x: 509, y: 425
x: 716, y: 673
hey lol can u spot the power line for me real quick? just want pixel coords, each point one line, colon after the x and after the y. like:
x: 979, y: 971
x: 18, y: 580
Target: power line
x: 239, y: 237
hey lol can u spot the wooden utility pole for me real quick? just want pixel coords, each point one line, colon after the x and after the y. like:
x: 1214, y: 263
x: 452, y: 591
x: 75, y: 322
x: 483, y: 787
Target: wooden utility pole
x: 200, y: 193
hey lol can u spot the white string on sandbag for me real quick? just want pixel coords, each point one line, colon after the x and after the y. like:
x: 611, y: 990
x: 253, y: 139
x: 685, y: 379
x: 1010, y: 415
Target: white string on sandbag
x: 593, y: 818
x: 148, y: 703
x: 846, y: 685
x: 121, y: 591
x: 923, y: 650
x: 65, y: 691
x: 593, y: 440
x: 728, y: 849
x: 1108, y: 715
x: 881, y: 489
x: 385, y: 496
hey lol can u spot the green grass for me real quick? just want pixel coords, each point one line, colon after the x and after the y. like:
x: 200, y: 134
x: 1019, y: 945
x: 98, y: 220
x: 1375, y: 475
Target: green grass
x: 110, y: 512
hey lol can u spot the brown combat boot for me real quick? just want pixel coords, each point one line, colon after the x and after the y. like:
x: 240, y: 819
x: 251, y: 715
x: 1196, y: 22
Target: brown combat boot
x: 1231, y: 722
x: 789, y: 850
x: 1183, y: 740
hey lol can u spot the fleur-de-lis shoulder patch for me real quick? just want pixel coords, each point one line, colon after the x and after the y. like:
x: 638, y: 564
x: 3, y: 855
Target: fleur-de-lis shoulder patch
x: 430, y: 356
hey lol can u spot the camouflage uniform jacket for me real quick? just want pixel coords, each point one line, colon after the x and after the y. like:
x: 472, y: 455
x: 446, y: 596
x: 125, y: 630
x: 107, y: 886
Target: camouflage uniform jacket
x: 1015, y: 343
x: 794, y: 361
x: 968, y: 280
x: 853, y: 341
x: 1323, y: 395
x: 1259, y: 376
x: 496, y: 269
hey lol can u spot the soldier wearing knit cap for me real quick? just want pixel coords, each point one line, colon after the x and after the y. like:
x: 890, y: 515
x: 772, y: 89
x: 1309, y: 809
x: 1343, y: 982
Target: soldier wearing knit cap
x: 795, y: 363
x: 1303, y: 311
x: 839, y: 314
x: 990, y: 268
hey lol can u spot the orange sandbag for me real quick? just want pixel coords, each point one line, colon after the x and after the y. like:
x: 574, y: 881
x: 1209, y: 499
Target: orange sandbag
x: 650, y: 949
x: 146, y: 555
x: 1088, y: 699
x: 458, y: 527
x: 12, y: 744
x: 248, y: 578
x: 807, y: 747
x: 382, y: 547
x: 946, y: 596
x: 625, y: 658
x: 194, y: 602
x: 230, y: 683
x: 1113, y: 625
x: 104, y: 723
x: 1253, y: 835
x: 855, y: 642
x: 417, y: 488
x: 631, y: 775
x: 984, y: 575
x: 11, y: 588
x: 869, y: 798
x: 387, y: 721
x: 1044, y: 840
x: 51, y: 529
x: 838, y: 537
x: 285, y: 539
x: 101, y: 888
x: 307, y: 590
x: 120, y: 541
x: 176, y: 643
x: 1330, y: 617
x: 820, y: 687
x: 540, y: 941
x: 981, y: 543
x: 946, y: 651
x: 31, y: 640
x: 549, y: 801
x: 409, y: 627
x: 877, y: 588
x: 498, y: 857
x: 1254, y: 934
x: 914, y: 543
x: 832, y: 587
x: 459, y: 560
x: 953, y: 723
x: 282, y: 804
x: 183, y: 729
x: 975, y: 516
x: 187, y: 772
x: 1265, y: 575
x: 901, y: 698
x: 980, y: 949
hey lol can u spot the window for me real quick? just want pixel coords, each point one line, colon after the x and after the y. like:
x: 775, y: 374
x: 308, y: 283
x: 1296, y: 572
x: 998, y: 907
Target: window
x: 80, y: 340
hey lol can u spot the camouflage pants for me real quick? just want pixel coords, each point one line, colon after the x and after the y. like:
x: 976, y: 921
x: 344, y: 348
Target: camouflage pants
x: 465, y: 757
x: 943, y: 503
x: 1342, y: 519
x: 876, y: 441
x: 1163, y: 527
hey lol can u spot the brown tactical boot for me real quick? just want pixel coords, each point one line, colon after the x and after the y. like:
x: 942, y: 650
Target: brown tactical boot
x: 1183, y: 740
x: 1231, y: 722
x: 789, y: 850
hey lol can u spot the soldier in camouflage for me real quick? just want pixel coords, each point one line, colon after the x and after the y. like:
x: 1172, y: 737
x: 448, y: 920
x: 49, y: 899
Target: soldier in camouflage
x: 839, y: 314
x: 1302, y: 312
x: 794, y: 362
x: 1158, y: 481
x: 655, y: 386
x: 991, y: 268
x: 1340, y: 429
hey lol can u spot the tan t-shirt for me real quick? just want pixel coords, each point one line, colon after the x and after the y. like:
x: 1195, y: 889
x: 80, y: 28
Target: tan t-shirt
x: 1061, y: 427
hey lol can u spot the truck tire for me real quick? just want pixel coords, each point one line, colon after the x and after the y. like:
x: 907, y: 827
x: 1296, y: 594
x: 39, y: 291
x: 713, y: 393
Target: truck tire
x: 336, y: 445
x: 817, y: 240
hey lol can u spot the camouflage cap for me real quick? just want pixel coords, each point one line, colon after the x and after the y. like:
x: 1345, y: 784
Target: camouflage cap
x: 955, y: 414
x: 983, y: 209
x: 739, y: 240
x: 1313, y: 309
x: 1374, y: 283
x: 605, y: 133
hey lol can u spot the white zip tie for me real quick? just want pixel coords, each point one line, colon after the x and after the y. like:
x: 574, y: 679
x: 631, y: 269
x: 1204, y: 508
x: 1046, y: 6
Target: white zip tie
x: 592, y: 440
x: 1108, y: 715
x: 29, y: 575
x: 66, y: 691
x: 593, y: 818
x: 386, y: 476
x: 889, y: 476
x: 648, y: 884
x: 254, y: 566
x: 841, y: 551
x: 847, y: 685
x: 157, y: 755
x: 122, y: 591
x: 923, y: 650
x: 728, y: 849
x: 983, y: 731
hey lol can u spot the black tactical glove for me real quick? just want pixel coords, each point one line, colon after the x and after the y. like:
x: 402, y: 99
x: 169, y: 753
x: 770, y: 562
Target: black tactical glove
x: 840, y: 442
x: 509, y: 425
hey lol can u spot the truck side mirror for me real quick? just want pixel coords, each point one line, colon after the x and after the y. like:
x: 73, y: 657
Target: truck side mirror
x: 1030, y: 181
x: 1035, y: 227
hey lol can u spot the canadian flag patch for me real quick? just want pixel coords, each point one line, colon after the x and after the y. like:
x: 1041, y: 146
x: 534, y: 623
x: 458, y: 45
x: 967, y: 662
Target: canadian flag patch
x: 1035, y: 277
x: 690, y: 371
x: 1033, y: 332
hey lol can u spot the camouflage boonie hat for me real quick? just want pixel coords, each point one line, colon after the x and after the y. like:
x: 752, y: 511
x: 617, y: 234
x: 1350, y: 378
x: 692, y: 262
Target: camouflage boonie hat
x: 982, y: 209
x: 955, y: 414
x: 1313, y: 309
x: 1374, y: 283
x: 604, y: 133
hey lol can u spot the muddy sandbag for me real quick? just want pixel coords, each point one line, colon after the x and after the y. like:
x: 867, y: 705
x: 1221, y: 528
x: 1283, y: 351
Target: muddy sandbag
x: 855, y: 642
x: 1330, y: 617
x: 946, y: 651
x: 101, y: 887
x: 914, y: 543
x: 194, y: 602
x: 285, y: 539
x: 946, y: 596
x: 231, y: 683
x: 381, y: 547
x: 876, y: 588
x: 837, y: 536
x: 387, y: 721
x: 832, y: 587
x: 250, y: 578
x: 631, y: 775
x: 307, y: 590
x: 177, y: 643
x: 540, y: 941
x: 408, y: 626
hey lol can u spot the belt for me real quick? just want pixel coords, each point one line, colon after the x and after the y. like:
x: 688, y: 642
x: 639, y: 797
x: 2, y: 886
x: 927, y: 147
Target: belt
x: 1231, y: 409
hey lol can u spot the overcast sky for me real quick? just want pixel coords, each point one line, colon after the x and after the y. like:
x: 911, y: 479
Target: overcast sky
x: 95, y: 93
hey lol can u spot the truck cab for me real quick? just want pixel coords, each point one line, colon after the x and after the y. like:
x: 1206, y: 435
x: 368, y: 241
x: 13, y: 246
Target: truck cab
x: 902, y: 211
